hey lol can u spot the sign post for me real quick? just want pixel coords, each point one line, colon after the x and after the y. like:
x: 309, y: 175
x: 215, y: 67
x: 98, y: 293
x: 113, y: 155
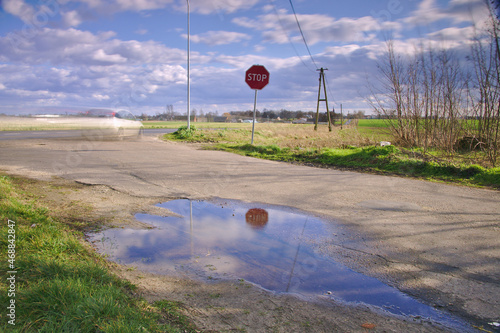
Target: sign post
x: 257, y: 77
x: 254, y: 111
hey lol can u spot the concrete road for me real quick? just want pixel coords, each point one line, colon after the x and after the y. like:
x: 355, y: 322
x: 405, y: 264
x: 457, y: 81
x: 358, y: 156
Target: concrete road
x: 439, y: 242
x: 59, y: 134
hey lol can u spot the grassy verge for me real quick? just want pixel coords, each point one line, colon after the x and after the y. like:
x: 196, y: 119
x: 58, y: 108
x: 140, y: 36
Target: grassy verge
x: 348, y: 148
x: 61, y: 284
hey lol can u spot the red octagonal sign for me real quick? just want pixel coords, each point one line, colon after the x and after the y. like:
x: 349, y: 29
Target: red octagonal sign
x: 257, y: 77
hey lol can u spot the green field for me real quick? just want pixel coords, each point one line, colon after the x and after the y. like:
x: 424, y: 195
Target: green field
x: 376, y: 128
x: 376, y: 123
x: 356, y: 148
x: 177, y: 124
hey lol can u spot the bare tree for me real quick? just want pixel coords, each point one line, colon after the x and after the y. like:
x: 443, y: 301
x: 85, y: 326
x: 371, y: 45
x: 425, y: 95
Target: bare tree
x: 485, y: 89
x: 388, y: 99
x: 169, y: 112
x: 426, y: 93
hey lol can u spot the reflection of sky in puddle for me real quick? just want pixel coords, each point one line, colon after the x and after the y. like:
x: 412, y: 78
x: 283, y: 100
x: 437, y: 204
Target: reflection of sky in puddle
x: 231, y: 239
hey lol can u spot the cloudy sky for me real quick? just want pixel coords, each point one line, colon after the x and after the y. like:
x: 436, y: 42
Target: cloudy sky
x: 64, y: 55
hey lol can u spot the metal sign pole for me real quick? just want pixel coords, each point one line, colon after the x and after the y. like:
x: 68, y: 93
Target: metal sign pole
x: 188, y: 74
x: 257, y: 77
x: 254, y: 111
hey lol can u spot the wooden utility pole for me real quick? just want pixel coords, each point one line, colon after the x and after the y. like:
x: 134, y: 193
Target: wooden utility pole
x: 322, y: 80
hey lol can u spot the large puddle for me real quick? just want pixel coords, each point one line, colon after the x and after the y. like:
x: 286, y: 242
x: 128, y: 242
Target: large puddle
x: 274, y: 247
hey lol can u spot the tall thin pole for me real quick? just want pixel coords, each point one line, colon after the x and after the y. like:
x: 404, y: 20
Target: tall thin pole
x: 191, y: 226
x: 254, y: 111
x: 322, y: 79
x: 326, y: 102
x: 188, y: 83
x: 319, y: 99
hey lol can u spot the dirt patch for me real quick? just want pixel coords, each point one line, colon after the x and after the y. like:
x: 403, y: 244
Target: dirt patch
x: 241, y: 306
x: 215, y: 306
x: 87, y: 207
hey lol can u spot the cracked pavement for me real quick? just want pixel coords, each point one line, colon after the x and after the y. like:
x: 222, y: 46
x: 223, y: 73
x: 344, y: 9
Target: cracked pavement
x: 438, y: 242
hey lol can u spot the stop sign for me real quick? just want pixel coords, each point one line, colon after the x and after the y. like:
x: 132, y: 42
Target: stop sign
x: 257, y: 218
x: 257, y: 77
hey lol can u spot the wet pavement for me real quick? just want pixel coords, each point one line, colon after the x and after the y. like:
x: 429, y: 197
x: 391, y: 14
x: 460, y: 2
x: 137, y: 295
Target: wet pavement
x: 275, y: 247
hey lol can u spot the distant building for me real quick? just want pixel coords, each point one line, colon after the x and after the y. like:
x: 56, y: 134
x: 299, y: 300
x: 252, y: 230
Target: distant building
x: 185, y: 118
x: 221, y: 119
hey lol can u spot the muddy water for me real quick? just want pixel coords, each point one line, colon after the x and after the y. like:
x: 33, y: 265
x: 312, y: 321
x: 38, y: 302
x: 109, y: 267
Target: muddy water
x: 275, y: 247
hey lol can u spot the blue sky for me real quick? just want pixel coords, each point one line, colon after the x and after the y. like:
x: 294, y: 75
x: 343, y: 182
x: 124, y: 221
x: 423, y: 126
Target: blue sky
x: 60, y: 55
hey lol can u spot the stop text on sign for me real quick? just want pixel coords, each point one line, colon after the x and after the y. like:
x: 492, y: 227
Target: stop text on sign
x: 256, y: 77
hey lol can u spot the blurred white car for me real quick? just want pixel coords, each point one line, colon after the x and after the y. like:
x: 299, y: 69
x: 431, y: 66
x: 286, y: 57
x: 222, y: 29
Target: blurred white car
x: 110, y: 124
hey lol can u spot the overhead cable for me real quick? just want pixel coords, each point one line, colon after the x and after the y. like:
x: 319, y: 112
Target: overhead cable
x: 288, y: 37
x: 303, y: 38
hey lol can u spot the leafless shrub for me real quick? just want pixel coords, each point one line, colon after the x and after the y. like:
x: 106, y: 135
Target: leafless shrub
x: 484, y: 89
x: 432, y: 100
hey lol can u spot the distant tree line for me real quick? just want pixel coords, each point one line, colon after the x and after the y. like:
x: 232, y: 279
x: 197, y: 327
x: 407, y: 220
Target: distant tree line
x: 439, y: 100
x: 274, y: 114
x: 265, y: 114
x: 285, y: 114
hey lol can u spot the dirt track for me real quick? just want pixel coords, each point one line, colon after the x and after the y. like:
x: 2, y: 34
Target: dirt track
x: 438, y: 242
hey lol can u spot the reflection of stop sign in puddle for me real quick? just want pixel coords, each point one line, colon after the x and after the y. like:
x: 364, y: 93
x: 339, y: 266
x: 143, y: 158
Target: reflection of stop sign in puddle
x: 257, y: 218
x: 278, y: 248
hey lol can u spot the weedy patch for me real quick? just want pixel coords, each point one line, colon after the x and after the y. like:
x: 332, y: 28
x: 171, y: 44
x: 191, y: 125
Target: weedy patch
x: 354, y: 148
x: 61, y: 283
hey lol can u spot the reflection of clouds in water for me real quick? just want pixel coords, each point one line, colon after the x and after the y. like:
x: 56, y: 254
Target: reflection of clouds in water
x: 213, y: 239
x: 220, y: 229
x: 217, y: 229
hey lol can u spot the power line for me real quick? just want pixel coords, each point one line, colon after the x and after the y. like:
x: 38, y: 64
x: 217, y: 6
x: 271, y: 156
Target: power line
x: 288, y: 37
x: 305, y: 43
x: 303, y: 38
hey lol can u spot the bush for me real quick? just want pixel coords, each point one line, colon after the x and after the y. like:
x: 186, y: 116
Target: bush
x: 488, y: 177
x: 470, y: 143
x: 184, y: 132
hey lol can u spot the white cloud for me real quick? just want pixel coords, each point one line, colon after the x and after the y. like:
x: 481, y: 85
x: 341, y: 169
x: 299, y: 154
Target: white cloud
x: 114, y: 6
x: 75, y: 67
x: 457, y: 11
x: 20, y: 9
x: 259, y: 48
x: 199, y: 6
x: 71, y: 18
x: 216, y: 6
x: 453, y: 34
x: 344, y: 29
x: 72, y: 46
x: 100, y: 97
x: 102, y: 56
x: 213, y: 38
x: 163, y: 74
x: 317, y: 28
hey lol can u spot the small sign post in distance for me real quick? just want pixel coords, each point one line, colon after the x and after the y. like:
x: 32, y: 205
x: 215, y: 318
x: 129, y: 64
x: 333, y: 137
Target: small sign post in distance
x: 257, y: 77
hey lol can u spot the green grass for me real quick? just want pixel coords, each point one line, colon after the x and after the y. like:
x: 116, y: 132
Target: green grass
x: 375, y: 127
x: 342, y: 148
x: 387, y: 160
x: 381, y: 123
x: 62, y: 285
